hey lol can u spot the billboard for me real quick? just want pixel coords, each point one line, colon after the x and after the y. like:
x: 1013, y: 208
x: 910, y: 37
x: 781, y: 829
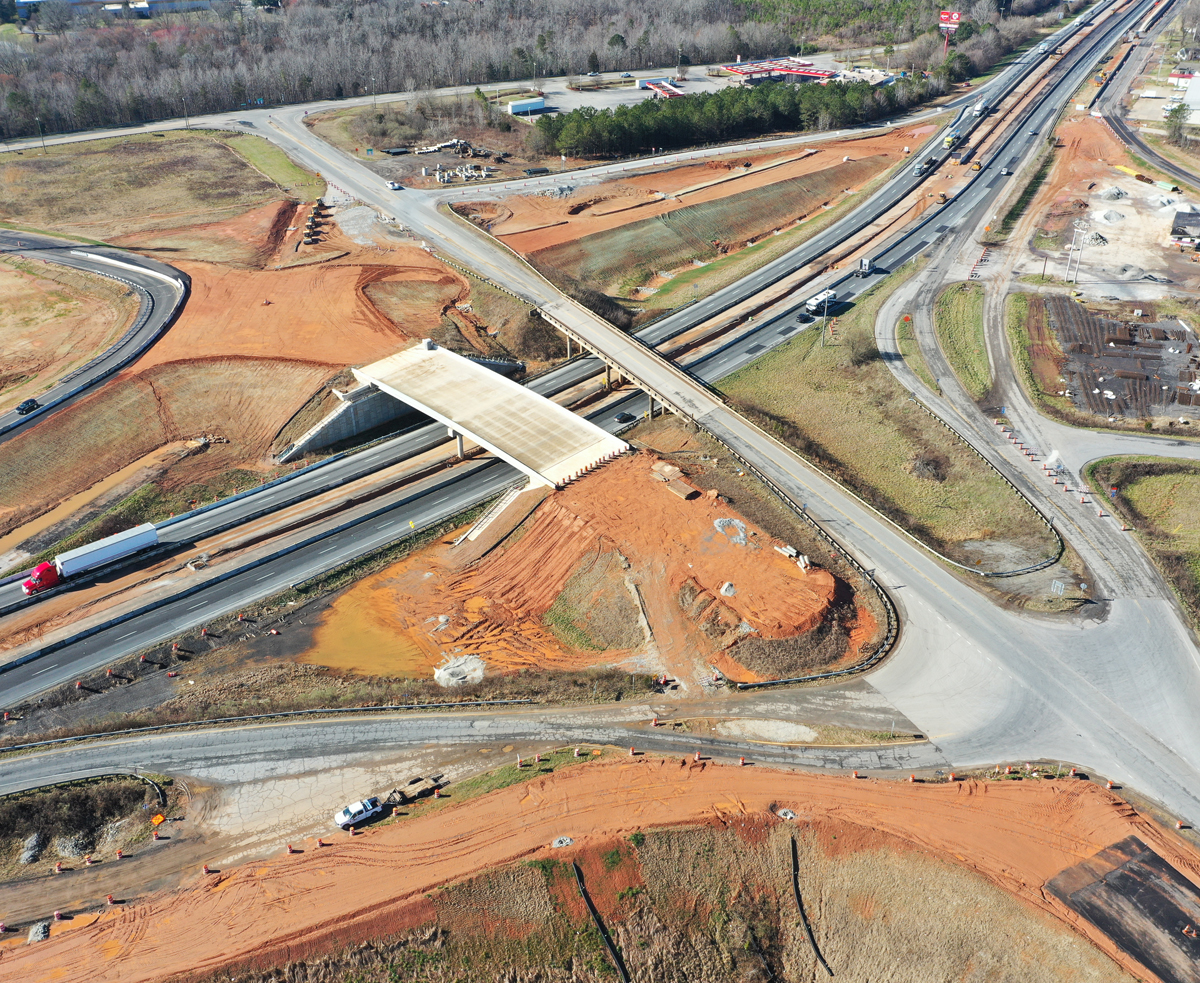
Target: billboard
x: 948, y: 20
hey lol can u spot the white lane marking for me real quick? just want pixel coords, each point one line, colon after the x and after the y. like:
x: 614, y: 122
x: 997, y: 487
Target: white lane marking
x: 47, y: 669
x: 128, y: 636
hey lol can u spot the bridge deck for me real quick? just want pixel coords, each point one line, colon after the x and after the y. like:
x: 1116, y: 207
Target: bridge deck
x: 546, y: 441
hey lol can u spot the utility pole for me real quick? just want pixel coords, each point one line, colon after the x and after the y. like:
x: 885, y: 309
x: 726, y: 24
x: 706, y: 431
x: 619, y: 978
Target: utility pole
x: 374, y: 104
x: 38, y: 120
x: 187, y: 125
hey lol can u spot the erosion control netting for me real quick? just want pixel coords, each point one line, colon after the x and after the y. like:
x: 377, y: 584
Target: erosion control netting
x: 702, y: 231
x: 1122, y: 369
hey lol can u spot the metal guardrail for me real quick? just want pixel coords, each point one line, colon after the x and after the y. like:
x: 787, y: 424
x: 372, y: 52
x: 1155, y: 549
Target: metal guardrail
x: 262, y: 716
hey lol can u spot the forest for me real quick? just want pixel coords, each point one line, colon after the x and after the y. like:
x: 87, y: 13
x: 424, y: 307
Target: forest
x: 730, y: 114
x: 79, y: 68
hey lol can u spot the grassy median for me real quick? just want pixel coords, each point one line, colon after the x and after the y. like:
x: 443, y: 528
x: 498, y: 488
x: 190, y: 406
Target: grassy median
x: 838, y: 404
x: 1160, y: 498
x: 958, y: 321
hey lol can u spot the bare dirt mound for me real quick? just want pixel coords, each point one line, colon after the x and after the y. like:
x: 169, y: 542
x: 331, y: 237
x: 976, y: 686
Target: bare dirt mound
x: 1016, y: 835
x: 700, y: 576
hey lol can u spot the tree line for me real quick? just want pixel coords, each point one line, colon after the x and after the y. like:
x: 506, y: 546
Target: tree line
x: 91, y: 68
x: 734, y: 113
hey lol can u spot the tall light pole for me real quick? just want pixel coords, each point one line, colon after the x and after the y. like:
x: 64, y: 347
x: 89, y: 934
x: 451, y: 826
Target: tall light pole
x: 38, y: 120
x: 187, y: 124
x: 374, y: 104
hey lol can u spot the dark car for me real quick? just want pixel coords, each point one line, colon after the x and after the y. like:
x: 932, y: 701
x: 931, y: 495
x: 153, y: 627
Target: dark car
x: 625, y: 418
x: 28, y: 407
x: 627, y: 75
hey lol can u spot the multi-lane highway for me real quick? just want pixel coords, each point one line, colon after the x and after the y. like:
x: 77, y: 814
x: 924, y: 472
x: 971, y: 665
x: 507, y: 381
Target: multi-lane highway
x: 986, y: 683
x: 162, y: 292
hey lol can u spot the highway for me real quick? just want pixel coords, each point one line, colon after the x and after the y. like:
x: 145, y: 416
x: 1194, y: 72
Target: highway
x: 987, y: 684
x: 162, y: 291
x: 1111, y: 104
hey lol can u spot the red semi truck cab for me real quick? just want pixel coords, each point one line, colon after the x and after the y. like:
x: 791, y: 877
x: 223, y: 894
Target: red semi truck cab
x: 43, y: 577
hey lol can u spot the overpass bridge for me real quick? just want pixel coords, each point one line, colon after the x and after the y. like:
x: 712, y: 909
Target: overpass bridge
x: 532, y: 433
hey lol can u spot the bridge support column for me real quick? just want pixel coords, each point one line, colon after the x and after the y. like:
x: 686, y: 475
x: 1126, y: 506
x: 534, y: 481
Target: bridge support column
x: 568, y: 346
x: 459, y: 438
x: 607, y: 376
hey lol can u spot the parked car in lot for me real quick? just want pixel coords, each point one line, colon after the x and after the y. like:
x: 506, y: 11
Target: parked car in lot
x: 356, y: 813
x: 27, y: 407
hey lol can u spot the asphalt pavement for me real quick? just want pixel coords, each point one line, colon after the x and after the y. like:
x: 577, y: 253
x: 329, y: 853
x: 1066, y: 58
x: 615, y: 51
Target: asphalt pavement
x: 161, y: 289
x: 1113, y: 690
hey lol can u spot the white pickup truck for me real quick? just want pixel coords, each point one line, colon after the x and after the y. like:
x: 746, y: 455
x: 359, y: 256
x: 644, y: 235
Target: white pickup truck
x: 356, y: 813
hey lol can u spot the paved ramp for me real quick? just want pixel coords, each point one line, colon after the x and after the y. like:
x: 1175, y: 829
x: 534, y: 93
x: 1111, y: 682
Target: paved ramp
x: 548, y: 442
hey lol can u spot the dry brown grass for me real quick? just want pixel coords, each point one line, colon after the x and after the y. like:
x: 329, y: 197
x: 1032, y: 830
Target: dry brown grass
x: 713, y: 904
x: 112, y: 187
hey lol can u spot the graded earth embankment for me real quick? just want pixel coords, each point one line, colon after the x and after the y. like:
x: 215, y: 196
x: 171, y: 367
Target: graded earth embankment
x: 1017, y: 835
x: 573, y: 586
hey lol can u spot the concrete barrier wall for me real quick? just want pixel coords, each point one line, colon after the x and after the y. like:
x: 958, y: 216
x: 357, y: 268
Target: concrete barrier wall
x: 362, y: 409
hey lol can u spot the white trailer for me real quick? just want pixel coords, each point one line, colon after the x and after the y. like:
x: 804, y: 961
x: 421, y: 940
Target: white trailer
x: 103, y: 551
x: 821, y: 302
x: 980, y: 109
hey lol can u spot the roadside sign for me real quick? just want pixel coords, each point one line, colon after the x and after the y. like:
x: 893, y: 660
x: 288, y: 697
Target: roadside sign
x: 1057, y: 587
x: 370, y: 152
x: 948, y: 20
x: 159, y: 819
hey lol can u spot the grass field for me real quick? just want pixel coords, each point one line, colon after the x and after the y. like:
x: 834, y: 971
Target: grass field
x: 958, y: 321
x: 111, y: 187
x: 839, y: 406
x: 1160, y: 498
x: 620, y: 259
x: 906, y: 342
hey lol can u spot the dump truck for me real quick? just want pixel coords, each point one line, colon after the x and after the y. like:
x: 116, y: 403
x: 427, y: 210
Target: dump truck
x: 924, y: 165
x: 98, y: 554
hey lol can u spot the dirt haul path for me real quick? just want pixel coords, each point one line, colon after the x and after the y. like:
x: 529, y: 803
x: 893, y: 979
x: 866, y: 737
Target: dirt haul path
x: 1017, y: 835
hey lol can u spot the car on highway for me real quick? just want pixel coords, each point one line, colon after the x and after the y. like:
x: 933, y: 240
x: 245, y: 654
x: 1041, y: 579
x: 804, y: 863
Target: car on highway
x: 395, y: 185
x: 593, y: 75
x: 27, y: 407
x: 356, y: 813
x: 625, y: 418
x: 627, y: 75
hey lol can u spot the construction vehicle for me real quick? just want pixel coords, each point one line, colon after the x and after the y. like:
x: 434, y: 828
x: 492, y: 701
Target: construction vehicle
x: 90, y: 557
x: 952, y: 138
x: 924, y: 165
x: 980, y: 109
x: 942, y: 198
x: 976, y: 166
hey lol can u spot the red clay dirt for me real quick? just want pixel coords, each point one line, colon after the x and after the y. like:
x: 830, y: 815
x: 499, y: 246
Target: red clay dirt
x: 249, y: 349
x: 529, y: 223
x: 1017, y: 835
x: 494, y: 609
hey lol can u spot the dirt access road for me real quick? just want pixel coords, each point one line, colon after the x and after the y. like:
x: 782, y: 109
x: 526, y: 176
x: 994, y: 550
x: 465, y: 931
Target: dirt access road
x: 1018, y: 835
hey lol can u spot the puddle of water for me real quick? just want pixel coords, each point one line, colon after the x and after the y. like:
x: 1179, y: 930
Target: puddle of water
x: 359, y: 633
x: 86, y: 497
